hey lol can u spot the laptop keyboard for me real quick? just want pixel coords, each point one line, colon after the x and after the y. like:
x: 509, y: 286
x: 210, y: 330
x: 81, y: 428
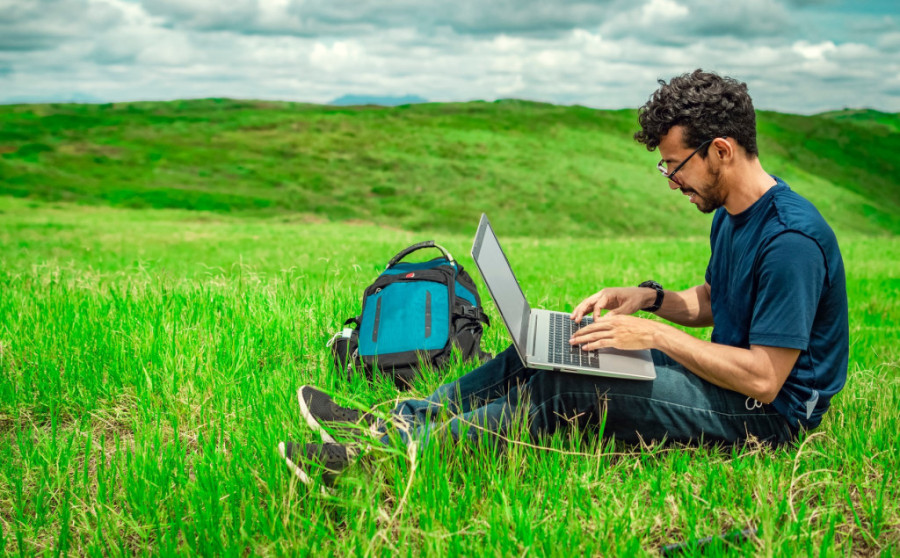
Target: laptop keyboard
x: 561, y: 330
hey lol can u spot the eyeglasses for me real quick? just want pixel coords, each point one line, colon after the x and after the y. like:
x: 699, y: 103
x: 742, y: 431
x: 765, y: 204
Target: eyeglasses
x: 661, y: 166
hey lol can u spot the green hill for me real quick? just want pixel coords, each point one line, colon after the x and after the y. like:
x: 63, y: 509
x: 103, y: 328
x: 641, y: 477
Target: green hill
x: 537, y: 169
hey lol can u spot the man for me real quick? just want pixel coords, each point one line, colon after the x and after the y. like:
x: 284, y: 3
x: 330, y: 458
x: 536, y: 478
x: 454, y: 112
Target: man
x: 774, y: 293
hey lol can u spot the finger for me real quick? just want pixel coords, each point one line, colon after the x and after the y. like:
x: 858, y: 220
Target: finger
x: 585, y: 306
x: 579, y: 339
x: 600, y: 306
x: 589, y: 333
x: 588, y: 329
x: 579, y: 311
x: 583, y: 340
x: 597, y: 345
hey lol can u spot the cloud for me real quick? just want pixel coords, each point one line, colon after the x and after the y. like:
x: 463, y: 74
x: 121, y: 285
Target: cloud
x: 44, y: 24
x: 682, y: 22
x: 812, y: 3
x: 813, y: 51
x: 890, y: 42
x: 204, y: 14
x: 657, y: 11
x: 340, y: 18
x: 337, y: 57
x: 748, y: 19
x: 606, y: 54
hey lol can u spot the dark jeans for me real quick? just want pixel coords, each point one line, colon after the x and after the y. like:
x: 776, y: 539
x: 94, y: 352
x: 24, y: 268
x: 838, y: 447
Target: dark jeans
x: 678, y: 406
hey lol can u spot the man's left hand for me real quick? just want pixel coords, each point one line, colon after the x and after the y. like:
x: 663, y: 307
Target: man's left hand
x: 627, y: 333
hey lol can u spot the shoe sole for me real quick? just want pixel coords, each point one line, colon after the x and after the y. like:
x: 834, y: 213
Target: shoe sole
x: 311, y: 420
x: 296, y: 469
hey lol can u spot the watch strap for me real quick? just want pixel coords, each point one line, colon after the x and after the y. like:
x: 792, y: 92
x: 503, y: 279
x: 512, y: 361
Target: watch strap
x: 659, y: 295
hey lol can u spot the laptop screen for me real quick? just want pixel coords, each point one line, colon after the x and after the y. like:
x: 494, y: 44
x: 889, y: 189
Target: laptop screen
x: 504, y: 288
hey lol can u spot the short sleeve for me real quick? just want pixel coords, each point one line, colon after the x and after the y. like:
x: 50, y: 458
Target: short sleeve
x: 790, y: 276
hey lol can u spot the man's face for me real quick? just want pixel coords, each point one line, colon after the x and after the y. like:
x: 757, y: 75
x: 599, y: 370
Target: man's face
x: 695, y: 179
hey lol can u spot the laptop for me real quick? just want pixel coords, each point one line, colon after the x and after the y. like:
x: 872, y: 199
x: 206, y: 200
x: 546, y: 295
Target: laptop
x: 541, y: 337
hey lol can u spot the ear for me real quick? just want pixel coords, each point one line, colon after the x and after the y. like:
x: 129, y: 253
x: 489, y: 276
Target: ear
x: 723, y: 148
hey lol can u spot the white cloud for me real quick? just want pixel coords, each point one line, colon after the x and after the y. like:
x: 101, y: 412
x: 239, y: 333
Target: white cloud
x: 811, y: 51
x: 504, y: 43
x: 122, y: 50
x: 890, y: 42
x: 508, y: 89
x: 661, y: 13
x: 339, y: 56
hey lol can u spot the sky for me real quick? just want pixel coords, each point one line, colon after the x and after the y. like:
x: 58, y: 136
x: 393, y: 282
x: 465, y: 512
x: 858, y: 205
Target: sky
x: 801, y: 56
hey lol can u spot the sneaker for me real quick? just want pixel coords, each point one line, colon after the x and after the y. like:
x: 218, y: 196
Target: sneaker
x: 303, y: 459
x: 325, y: 416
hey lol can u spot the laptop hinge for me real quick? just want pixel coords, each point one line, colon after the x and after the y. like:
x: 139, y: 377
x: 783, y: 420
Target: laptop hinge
x: 533, y: 341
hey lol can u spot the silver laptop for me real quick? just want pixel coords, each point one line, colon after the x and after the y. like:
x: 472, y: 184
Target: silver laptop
x: 541, y: 337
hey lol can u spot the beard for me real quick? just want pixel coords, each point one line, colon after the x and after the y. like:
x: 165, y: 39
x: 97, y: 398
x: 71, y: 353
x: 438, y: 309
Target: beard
x: 713, y: 197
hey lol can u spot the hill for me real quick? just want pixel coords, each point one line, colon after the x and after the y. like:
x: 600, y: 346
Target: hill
x: 537, y: 169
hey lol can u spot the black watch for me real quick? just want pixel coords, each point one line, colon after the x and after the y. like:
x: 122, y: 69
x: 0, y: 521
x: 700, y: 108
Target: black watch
x: 659, y: 295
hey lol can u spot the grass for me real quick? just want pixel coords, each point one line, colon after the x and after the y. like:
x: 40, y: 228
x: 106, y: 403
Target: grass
x: 148, y: 363
x: 574, y: 171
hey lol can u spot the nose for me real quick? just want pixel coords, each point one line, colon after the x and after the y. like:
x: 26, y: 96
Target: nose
x: 674, y: 184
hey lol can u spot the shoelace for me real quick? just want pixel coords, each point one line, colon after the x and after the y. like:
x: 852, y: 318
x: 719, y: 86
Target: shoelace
x: 352, y: 415
x: 751, y: 404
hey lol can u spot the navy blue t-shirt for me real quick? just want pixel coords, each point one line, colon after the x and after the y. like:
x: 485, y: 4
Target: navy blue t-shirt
x: 777, y: 279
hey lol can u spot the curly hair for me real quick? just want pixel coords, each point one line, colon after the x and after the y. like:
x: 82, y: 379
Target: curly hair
x: 706, y: 104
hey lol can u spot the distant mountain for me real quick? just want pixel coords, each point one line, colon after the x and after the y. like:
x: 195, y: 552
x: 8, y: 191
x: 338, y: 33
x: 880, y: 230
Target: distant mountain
x: 76, y: 97
x: 347, y: 100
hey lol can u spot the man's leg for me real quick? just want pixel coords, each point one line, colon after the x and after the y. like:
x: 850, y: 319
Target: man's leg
x: 484, y: 387
x: 677, y: 406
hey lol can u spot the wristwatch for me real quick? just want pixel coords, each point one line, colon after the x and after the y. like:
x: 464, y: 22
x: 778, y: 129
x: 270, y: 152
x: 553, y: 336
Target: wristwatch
x: 659, y: 295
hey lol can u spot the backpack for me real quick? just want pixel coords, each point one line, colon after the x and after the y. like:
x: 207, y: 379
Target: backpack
x: 413, y: 315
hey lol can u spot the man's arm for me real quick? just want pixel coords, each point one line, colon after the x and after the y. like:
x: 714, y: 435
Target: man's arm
x: 791, y: 276
x: 758, y: 372
x: 689, y: 308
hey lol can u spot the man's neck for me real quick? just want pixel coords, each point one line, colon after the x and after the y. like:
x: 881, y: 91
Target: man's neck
x: 747, y: 182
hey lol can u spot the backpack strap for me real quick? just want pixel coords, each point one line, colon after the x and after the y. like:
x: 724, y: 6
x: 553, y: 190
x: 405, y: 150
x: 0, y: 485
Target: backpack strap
x: 472, y: 312
x: 410, y: 249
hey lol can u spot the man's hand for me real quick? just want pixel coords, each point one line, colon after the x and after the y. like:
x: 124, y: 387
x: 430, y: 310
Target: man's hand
x: 616, y: 331
x: 618, y: 300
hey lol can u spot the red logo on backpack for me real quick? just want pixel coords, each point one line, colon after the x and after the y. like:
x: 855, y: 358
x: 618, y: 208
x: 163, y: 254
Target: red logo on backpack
x: 410, y: 275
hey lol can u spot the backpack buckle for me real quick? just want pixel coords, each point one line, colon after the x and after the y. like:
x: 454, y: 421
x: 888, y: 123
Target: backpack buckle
x: 472, y: 313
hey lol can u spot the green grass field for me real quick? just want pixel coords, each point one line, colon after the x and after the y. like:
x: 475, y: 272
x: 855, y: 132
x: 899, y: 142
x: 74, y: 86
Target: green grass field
x: 171, y: 272
x: 572, y: 171
x: 149, y: 361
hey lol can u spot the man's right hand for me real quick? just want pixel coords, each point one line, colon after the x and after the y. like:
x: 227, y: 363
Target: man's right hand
x: 618, y: 300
